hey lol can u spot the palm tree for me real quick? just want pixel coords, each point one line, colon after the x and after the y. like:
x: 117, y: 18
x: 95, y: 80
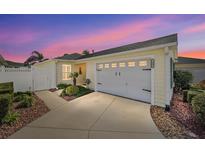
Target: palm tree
x: 35, y: 57
x: 74, y: 75
x: 86, y: 52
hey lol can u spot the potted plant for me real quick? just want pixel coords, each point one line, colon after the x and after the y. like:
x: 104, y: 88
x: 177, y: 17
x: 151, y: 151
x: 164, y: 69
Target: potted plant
x: 74, y: 75
x: 87, y: 82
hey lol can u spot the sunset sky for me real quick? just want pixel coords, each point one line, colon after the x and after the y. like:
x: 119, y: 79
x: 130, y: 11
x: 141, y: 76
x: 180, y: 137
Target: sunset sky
x: 55, y: 35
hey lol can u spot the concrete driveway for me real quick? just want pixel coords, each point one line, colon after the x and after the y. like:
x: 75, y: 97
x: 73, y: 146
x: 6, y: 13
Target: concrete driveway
x: 96, y: 115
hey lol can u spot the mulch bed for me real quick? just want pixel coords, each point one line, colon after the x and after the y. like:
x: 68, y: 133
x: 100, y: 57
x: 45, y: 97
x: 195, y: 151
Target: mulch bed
x: 27, y: 115
x: 53, y: 89
x: 185, y: 115
x: 68, y: 98
x: 169, y: 126
x: 180, y: 122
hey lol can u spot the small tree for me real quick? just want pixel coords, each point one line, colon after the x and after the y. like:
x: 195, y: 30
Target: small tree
x: 86, y: 52
x: 74, y: 75
x: 182, y: 80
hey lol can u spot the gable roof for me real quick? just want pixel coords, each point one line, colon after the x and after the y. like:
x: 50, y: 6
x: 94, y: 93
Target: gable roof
x: 72, y: 56
x: 158, y: 41
x: 15, y: 64
x: 186, y: 60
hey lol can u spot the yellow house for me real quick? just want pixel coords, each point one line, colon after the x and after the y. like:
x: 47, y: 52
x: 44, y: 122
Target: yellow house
x: 141, y: 71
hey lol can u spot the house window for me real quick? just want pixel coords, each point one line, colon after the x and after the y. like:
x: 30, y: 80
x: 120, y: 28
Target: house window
x: 131, y: 64
x: 107, y: 65
x: 143, y: 63
x: 121, y: 64
x: 114, y: 65
x: 100, y: 66
x: 66, y: 70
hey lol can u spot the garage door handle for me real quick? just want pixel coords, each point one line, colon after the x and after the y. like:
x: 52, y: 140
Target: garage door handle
x: 146, y: 90
x: 119, y: 73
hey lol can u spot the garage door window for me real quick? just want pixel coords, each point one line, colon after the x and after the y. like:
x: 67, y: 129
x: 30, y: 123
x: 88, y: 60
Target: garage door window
x: 121, y: 64
x: 107, y: 65
x: 131, y: 64
x: 100, y: 66
x: 143, y: 63
x: 66, y: 70
x: 114, y: 65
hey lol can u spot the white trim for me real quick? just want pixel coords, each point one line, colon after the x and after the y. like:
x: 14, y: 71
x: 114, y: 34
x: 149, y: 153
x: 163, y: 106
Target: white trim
x: 129, y: 51
x: 167, y: 76
x: 133, y: 58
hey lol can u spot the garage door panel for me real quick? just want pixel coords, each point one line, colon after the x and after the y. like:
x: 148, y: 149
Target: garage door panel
x: 128, y: 80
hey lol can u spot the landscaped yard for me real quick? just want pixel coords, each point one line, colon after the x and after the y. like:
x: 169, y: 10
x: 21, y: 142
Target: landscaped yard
x: 70, y: 92
x: 18, y: 109
x: 186, y: 118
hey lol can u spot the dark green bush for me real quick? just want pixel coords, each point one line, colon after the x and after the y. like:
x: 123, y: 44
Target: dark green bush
x: 185, y: 92
x: 198, y: 105
x: 5, y: 103
x: 63, y: 85
x: 10, y: 117
x: 26, y: 101
x: 182, y: 79
x: 19, y: 96
x: 6, y: 88
x: 71, y: 90
x: 21, y: 93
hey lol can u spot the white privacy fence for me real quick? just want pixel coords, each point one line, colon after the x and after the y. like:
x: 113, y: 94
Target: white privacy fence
x: 21, y: 77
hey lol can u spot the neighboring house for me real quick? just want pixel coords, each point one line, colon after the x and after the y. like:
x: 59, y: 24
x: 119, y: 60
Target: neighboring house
x: 141, y: 71
x: 193, y: 65
x: 7, y: 63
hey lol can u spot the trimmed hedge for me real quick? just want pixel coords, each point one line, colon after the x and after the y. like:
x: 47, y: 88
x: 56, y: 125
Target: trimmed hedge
x: 5, y: 103
x: 6, y: 88
x: 198, y: 105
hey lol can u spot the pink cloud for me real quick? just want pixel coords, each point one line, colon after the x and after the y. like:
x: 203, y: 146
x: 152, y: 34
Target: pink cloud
x: 193, y: 54
x: 138, y: 30
x: 195, y: 29
x: 13, y: 57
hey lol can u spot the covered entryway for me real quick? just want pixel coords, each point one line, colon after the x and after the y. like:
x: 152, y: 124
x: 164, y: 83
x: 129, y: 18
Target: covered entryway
x: 129, y: 78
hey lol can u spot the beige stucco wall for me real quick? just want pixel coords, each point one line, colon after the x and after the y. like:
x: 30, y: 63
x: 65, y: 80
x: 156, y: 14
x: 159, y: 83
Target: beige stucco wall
x: 159, y: 71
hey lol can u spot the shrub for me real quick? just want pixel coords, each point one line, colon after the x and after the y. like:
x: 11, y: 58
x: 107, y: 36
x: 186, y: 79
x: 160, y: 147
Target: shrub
x: 72, y: 90
x: 26, y: 101
x: 191, y: 94
x: 18, y: 96
x: 202, y: 84
x: 195, y: 86
x: 83, y: 91
x: 10, y: 117
x: 182, y: 79
x: 198, y: 105
x: 5, y: 103
x: 185, y: 92
x: 63, y: 85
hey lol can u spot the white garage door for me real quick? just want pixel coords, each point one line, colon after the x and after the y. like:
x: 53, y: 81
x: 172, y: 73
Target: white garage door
x: 131, y: 79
